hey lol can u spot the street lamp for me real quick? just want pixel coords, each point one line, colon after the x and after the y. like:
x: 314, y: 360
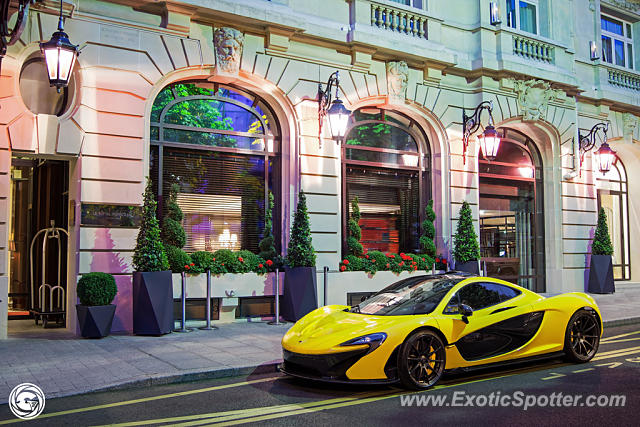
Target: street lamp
x: 604, y: 155
x: 60, y: 56
x: 334, y: 109
x: 489, y: 140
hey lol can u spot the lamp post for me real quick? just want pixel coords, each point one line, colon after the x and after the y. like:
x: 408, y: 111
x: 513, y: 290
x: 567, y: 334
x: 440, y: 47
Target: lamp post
x: 489, y: 139
x: 334, y: 109
x: 60, y: 55
x: 605, y: 156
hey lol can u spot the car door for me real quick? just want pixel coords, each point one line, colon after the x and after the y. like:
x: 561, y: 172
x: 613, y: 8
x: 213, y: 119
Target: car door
x: 500, y: 323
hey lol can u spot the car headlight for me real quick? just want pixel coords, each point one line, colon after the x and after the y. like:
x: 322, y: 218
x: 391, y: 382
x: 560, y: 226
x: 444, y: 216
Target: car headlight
x: 373, y: 340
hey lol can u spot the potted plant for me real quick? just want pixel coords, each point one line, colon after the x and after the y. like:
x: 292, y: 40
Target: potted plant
x: 601, y: 271
x: 427, y: 240
x: 467, y: 250
x: 152, y: 285
x: 355, y: 232
x: 95, y: 312
x: 300, y: 293
x: 173, y: 235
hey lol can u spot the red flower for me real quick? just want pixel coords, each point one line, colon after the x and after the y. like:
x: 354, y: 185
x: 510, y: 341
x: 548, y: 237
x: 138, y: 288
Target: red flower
x: 345, y: 262
x: 423, y: 259
x: 343, y: 268
x: 388, y: 265
x: 192, y: 264
x: 373, y: 260
x: 392, y: 256
x: 401, y: 263
x: 437, y: 259
x: 269, y: 262
x: 444, y: 261
x: 366, y: 256
x: 187, y: 267
x: 240, y: 259
x: 260, y: 265
x: 402, y: 254
x: 214, y: 259
x: 223, y: 263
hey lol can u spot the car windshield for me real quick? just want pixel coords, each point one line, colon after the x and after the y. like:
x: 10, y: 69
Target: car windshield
x: 416, y: 295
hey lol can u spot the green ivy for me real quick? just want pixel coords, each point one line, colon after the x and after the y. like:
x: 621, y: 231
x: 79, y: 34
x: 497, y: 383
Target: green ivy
x: 466, y: 240
x: 149, y: 254
x: 301, y: 252
x: 601, y: 240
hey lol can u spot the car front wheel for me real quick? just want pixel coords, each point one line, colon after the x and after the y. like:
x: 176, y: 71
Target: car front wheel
x: 582, y: 337
x: 421, y: 360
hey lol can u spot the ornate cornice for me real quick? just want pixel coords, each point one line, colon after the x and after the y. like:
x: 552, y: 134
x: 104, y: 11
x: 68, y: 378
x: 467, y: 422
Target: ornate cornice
x: 630, y: 5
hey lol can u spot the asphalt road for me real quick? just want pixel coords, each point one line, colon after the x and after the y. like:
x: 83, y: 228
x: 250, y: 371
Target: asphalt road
x: 273, y: 399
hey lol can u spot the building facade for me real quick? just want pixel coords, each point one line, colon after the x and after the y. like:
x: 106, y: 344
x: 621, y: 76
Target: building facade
x: 248, y: 71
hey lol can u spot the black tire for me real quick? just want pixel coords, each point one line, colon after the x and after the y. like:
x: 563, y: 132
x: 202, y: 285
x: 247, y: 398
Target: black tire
x: 582, y: 337
x: 421, y: 360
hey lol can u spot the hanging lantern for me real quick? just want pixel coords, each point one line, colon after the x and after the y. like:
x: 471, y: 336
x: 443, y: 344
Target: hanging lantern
x: 605, y: 157
x: 60, y: 55
x: 489, y: 142
x: 338, y: 118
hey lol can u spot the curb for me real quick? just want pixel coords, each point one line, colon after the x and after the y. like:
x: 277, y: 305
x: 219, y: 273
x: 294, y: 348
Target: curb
x: 621, y: 322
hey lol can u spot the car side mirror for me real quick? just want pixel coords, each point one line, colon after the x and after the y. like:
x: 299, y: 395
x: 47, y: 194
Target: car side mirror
x: 466, y: 311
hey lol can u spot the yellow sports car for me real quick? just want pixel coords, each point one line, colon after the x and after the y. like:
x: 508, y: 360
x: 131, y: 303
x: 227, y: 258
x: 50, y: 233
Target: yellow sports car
x: 415, y: 329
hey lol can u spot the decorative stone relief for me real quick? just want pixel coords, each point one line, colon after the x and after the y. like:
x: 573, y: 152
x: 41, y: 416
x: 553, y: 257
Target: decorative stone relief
x: 629, y: 123
x: 228, y: 43
x: 534, y: 97
x: 397, y: 79
x: 633, y: 6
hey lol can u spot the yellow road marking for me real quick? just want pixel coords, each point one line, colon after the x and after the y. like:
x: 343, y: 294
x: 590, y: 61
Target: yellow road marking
x: 611, y: 365
x: 144, y: 399
x: 553, y: 376
x: 583, y: 370
x: 620, y: 350
x: 618, y: 341
x: 619, y: 336
x: 609, y: 356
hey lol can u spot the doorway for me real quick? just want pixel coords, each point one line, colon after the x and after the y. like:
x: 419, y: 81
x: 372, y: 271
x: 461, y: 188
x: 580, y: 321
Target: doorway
x: 39, y: 198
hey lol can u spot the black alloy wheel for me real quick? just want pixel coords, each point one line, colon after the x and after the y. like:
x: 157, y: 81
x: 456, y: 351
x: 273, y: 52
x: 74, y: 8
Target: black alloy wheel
x: 582, y: 337
x: 421, y: 360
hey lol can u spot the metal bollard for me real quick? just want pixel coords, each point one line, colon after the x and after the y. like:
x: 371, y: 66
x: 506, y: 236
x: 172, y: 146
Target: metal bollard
x: 277, y: 321
x: 183, y: 300
x: 325, y: 271
x: 208, y: 326
x: 484, y: 268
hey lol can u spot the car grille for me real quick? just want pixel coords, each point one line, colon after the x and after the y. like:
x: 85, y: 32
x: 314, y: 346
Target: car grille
x: 333, y: 366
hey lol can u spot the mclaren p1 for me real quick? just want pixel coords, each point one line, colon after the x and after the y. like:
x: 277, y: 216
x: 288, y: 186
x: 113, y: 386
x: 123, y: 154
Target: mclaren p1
x: 417, y: 328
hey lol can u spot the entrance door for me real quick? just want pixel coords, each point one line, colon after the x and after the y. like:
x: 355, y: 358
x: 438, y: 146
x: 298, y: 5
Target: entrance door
x: 39, y: 194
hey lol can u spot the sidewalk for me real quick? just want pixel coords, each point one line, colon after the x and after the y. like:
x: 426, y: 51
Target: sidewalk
x: 63, y: 365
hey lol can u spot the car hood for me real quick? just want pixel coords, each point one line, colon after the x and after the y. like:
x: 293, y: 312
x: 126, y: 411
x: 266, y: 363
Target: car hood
x: 324, y: 329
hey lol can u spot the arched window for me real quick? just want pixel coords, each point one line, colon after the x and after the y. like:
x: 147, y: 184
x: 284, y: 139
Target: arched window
x: 511, y: 212
x: 612, y: 196
x: 386, y: 163
x: 220, y: 144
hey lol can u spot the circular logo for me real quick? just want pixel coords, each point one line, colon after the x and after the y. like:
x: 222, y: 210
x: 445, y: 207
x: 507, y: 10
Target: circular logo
x: 26, y: 401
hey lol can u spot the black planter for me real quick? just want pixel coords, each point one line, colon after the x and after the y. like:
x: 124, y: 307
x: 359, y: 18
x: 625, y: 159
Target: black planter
x: 468, y: 267
x: 95, y: 320
x: 300, y: 293
x: 152, y: 303
x: 601, y: 275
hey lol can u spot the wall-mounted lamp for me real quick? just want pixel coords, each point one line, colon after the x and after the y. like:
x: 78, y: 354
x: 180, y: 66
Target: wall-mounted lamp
x: 494, y: 13
x: 334, y: 109
x: 604, y: 155
x: 9, y: 36
x: 60, y: 56
x: 593, y: 49
x: 489, y: 140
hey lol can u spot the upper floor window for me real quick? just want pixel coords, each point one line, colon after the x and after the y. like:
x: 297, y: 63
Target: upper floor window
x: 617, y: 42
x: 415, y: 3
x: 523, y: 15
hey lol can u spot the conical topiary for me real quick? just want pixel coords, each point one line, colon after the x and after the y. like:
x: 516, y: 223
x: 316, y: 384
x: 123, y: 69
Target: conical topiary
x: 429, y: 231
x: 266, y: 245
x: 466, y: 240
x: 149, y: 254
x: 355, y: 233
x: 601, y: 240
x: 301, y: 252
x: 173, y: 235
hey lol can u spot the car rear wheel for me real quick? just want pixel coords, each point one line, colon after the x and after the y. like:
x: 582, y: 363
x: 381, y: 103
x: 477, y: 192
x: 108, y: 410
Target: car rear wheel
x: 421, y: 360
x: 582, y: 337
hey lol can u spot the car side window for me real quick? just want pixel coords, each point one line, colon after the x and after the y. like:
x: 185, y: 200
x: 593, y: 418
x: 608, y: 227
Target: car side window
x: 452, y: 305
x: 505, y: 292
x: 479, y: 295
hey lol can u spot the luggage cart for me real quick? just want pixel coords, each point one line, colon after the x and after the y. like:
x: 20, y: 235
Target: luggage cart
x: 51, y: 297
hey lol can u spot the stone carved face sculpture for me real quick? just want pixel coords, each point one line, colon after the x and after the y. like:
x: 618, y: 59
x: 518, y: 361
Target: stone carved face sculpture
x: 397, y: 79
x: 228, y: 44
x: 629, y: 124
x: 533, y: 98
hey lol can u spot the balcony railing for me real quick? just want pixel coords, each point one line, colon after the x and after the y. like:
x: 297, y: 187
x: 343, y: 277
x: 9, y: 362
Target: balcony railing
x: 623, y: 79
x: 398, y: 20
x: 532, y: 49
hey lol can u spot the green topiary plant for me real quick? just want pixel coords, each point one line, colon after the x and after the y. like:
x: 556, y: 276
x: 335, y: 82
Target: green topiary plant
x: 149, y: 254
x: 466, y: 240
x: 96, y: 289
x: 266, y: 245
x: 301, y: 252
x: 601, y: 240
x: 179, y: 260
x: 355, y: 233
x: 429, y: 231
x: 173, y: 235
